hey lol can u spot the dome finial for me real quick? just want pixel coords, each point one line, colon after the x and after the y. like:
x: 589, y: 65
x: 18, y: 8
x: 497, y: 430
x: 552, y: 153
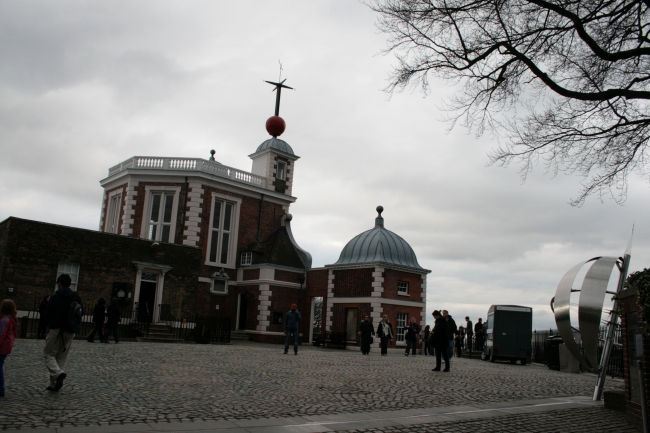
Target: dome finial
x: 212, y: 152
x: 379, y: 221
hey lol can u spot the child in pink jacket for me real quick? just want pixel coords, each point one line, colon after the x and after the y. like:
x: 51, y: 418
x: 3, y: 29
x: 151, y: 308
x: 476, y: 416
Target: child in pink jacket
x: 8, y: 331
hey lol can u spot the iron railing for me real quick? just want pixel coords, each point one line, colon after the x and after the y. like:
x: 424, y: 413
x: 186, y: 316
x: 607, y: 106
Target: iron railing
x: 195, y: 328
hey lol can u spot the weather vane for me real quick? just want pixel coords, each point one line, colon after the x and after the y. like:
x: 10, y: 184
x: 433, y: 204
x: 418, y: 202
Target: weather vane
x: 279, y: 86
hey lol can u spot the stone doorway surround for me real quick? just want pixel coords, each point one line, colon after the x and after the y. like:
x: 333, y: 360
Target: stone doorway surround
x: 159, y: 270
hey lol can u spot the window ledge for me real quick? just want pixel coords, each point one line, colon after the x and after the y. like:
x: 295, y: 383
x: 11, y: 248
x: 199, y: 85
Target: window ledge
x: 403, y: 294
x: 218, y: 293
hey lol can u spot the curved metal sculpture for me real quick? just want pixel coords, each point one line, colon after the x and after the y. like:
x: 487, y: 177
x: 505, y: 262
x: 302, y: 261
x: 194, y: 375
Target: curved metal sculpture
x: 590, y: 308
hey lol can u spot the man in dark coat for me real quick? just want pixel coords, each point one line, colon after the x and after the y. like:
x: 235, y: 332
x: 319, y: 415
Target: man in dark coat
x: 411, y: 332
x: 113, y: 320
x: 440, y: 341
x: 470, y: 332
x: 291, y: 326
x: 59, y: 340
x: 451, y: 332
x: 366, y: 331
x: 99, y: 315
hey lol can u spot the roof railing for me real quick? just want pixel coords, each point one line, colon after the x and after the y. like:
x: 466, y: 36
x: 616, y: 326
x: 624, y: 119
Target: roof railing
x: 185, y: 164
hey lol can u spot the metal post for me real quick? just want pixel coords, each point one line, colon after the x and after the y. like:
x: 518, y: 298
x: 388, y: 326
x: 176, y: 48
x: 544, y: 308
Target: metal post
x: 613, y: 319
x: 644, y: 400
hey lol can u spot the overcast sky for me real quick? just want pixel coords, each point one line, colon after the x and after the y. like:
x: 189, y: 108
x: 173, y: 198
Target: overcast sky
x: 86, y: 85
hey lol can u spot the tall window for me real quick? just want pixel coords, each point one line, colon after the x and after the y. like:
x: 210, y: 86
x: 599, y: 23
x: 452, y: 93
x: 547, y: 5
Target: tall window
x: 113, y: 216
x: 160, y: 220
x: 403, y: 287
x: 281, y: 173
x: 401, y: 324
x: 71, y: 269
x: 221, y: 232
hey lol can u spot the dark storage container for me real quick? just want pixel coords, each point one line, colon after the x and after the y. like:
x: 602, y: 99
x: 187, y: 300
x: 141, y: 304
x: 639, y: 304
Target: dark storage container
x: 509, y: 333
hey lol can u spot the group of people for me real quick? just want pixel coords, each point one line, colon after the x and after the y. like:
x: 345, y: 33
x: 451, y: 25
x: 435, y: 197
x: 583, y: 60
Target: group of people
x: 62, y: 313
x: 439, y: 341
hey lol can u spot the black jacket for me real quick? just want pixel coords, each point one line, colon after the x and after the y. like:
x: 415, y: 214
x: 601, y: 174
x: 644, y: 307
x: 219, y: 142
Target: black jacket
x: 478, y: 327
x: 99, y: 313
x: 366, y: 328
x: 380, y: 331
x: 42, y: 308
x: 113, y: 315
x: 58, y: 309
x: 469, y: 332
x: 451, y: 327
x: 438, y: 336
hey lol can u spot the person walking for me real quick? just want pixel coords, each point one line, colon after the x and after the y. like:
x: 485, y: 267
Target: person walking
x: 451, y: 332
x: 469, y: 331
x: 42, y: 326
x: 99, y: 315
x: 460, y: 336
x: 411, y: 332
x: 440, y: 341
x: 113, y: 314
x: 478, y: 332
x: 292, y: 326
x: 63, y: 316
x: 8, y: 333
x: 366, y: 331
x: 385, y: 333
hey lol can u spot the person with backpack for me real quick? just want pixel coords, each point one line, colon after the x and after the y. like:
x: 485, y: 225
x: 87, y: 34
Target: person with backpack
x: 8, y: 332
x: 99, y: 314
x: 113, y: 314
x: 63, y: 315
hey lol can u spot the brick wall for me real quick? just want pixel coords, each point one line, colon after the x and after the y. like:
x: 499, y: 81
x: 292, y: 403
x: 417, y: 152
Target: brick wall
x: 34, y: 249
x: 391, y: 278
x: 316, y: 283
x: 288, y: 276
x: 353, y: 282
x: 251, y: 274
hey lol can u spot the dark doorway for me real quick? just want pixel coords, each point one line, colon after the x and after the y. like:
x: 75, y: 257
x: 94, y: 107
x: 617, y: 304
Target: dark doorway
x: 146, y: 301
x: 243, y: 307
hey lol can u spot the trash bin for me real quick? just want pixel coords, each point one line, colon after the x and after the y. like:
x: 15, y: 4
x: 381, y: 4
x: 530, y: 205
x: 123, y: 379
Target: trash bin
x: 553, y: 359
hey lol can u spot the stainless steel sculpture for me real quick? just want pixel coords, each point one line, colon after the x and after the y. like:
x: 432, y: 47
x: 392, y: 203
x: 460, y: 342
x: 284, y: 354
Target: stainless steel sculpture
x: 590, y: 308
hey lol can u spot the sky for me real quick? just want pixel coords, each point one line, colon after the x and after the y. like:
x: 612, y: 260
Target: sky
x: 86, y: 85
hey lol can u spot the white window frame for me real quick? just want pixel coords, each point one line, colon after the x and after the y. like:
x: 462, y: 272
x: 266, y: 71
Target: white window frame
x: 71, y: 269
x: 284, y: 172
x: 400, y: 290
x: 401, y: 318
x: 246, y: 259
x: 234, y: 231
x: 146, y: 213
x: 215, y: 292
x: 115, y: 212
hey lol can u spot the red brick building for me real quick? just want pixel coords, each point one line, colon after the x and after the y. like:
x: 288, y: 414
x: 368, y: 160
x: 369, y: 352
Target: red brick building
x: 377, y: 273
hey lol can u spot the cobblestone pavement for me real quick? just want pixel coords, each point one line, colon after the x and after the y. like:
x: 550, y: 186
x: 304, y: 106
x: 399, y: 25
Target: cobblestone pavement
x: 565, y: 421
x: 139, y: 382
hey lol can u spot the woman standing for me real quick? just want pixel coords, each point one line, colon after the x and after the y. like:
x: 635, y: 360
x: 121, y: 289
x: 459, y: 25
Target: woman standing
x: 411, y: 332
x: 385, y: 333
x: 366, y: 332
x: 99, y: 314
x: 42, y: 326
x: 439, y: 340
x: 8, y: 332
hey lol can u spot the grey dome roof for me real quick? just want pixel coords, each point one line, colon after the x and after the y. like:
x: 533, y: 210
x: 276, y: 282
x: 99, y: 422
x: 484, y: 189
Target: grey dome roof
x: 275, y: 143
x: 379, y: 245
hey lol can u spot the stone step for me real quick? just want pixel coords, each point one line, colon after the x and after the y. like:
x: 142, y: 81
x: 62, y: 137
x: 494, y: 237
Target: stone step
x: 243, y: 336
x: 157, y: 340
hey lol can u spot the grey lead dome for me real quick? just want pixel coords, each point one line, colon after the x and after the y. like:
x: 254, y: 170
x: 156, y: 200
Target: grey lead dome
x: 275, y: 143
x: 379, y: 245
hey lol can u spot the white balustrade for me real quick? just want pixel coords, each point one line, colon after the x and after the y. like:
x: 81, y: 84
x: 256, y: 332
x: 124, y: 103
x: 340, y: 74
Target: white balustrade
x: 198, y: 164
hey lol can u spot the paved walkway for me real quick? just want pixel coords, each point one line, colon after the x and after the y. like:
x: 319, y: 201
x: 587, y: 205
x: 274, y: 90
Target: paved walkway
x: 251, y: 387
